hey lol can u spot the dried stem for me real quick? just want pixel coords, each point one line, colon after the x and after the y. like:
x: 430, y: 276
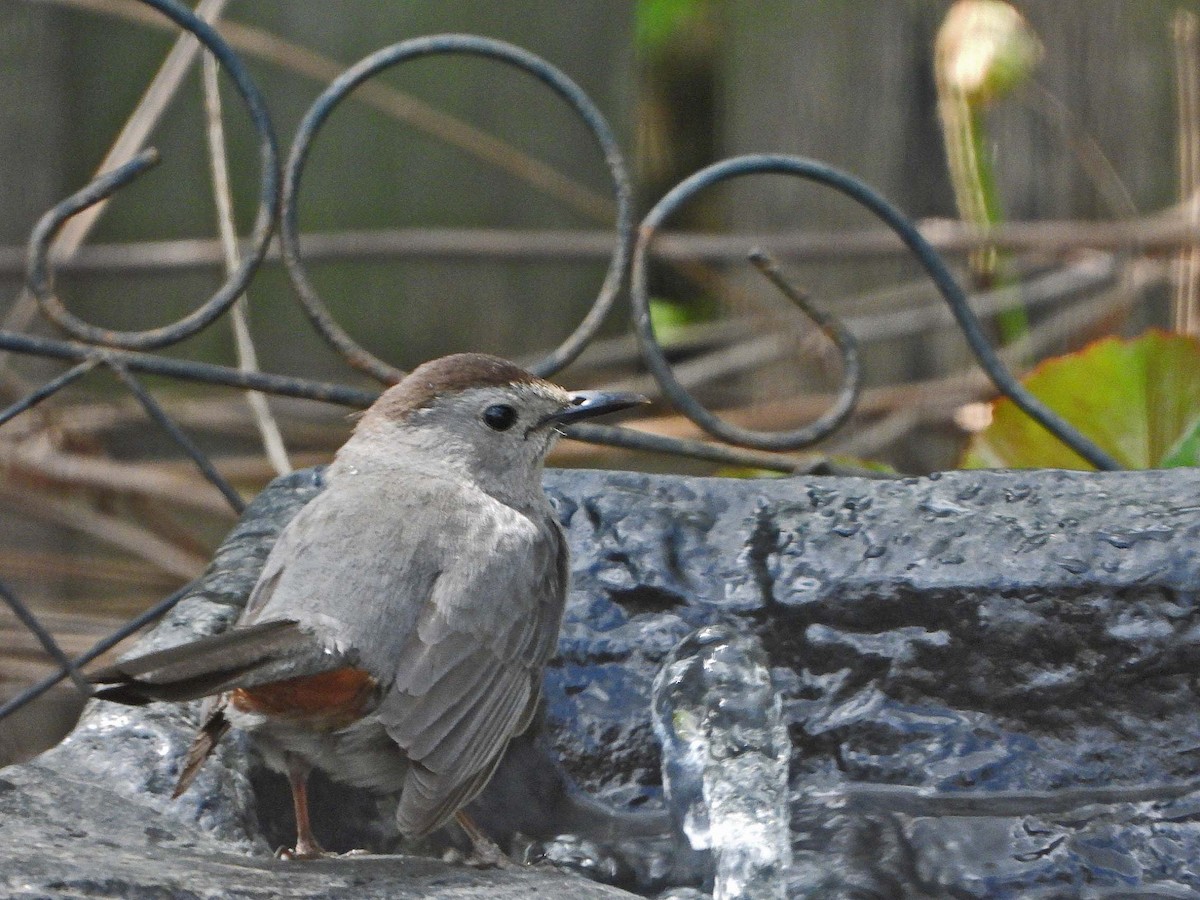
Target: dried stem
x: 1186, y: 32
x: 105, y: 528
x: 75, y: 470
x: 1162, y: 232
x: 41, y: 565
x: 222, y: 195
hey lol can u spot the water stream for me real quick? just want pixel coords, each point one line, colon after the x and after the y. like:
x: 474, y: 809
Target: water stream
x: 725, y: 759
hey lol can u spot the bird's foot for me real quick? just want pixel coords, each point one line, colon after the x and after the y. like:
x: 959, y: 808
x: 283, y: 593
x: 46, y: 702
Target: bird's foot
x: 481, y: 858
x: 310, y: 849
x: 489, y: 856
x: 316, y: 852
x: 299, y: 852
x: 485, y: 853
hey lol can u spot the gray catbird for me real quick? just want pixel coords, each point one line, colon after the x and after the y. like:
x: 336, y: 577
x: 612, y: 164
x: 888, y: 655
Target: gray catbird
x: 397, y: 634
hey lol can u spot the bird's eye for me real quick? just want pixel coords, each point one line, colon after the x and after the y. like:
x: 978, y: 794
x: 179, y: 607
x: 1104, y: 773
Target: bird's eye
x: 499, y: 417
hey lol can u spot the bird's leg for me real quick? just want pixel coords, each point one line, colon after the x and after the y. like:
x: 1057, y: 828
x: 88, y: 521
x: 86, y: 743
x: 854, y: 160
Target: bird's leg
x: 484, y: 851
x: 306, y: 842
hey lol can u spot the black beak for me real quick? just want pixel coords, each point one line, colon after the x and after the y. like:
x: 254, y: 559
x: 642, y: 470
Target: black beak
x: 586, y: 404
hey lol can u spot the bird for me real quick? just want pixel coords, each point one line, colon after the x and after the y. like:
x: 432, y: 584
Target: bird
x: 397, y: 634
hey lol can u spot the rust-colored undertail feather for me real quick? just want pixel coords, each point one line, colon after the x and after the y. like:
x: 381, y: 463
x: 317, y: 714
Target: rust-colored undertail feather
x: 214, y: 728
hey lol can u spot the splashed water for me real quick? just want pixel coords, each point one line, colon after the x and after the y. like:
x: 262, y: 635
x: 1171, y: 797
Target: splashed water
x: 725, y: 759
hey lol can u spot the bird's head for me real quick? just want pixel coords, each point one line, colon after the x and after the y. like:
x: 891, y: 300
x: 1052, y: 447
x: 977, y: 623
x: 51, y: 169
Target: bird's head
x: 478, y: 415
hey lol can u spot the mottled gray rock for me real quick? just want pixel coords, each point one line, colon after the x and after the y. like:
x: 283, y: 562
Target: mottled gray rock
x: 1022, y: 644
x: 1022, y: 632
x: 64, y: 837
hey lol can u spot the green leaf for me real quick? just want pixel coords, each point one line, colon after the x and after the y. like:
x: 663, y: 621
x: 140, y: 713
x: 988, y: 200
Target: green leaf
x: 670, y: 318
x: 1187, y: 452
x: 656, y: 22
x: 1137, y: 399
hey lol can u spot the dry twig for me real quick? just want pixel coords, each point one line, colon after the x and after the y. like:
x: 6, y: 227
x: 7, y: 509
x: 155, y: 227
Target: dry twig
x: 223, y: 197
x: 107, y: 529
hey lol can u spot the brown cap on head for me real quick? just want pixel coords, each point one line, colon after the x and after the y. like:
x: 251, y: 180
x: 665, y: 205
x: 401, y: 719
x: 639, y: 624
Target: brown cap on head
x: 448, y: 375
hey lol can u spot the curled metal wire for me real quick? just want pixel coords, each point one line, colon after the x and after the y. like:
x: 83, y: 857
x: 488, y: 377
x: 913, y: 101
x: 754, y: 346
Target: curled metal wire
x: 115, y: 350
x: 930, y: 260
x: 656, y: 360
x: 39, y: 279
x: 183, y: 369
x: 488, y: 48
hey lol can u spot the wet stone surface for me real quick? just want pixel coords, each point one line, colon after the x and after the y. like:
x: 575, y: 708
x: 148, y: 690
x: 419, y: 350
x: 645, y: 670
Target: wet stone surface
x: 974, y: 632
x: 1019, y: 649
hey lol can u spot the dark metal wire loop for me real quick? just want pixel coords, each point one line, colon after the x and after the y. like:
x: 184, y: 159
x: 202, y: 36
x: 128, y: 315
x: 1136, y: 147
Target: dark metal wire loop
x: 488, y: 48
x: 660, y: 368
x: 116, y: 348
x: 930, y: 260
x: 39, y: 278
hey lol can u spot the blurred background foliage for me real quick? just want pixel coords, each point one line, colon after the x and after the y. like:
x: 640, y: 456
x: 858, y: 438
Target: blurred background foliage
x: 1085, y: 171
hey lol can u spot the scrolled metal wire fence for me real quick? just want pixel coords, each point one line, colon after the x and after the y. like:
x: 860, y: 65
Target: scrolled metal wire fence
x: 89, y: 349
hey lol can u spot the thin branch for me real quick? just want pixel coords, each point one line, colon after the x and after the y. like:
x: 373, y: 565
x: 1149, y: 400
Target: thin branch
x: 868, y: 442
x: 1071, y: 323
x: 70, y: 565
x: 104, y: 528
x: 306, y: 422
x: 253, y: 469
x: 223, y: 198
x: 755, y: 351
x: 934, y: 400
x: 1186, y: 33
x: 1157, y: 234
x: 39, y: 461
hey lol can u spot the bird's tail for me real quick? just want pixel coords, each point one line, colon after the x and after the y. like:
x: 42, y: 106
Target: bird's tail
x: 276, y: 654
x: 243, y: 656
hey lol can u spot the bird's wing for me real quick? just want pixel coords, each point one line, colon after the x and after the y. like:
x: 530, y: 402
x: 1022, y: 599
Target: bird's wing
x: 356, y: 564
x: 278, y: 638
x: 447, y: 599
x: 469, y: 676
